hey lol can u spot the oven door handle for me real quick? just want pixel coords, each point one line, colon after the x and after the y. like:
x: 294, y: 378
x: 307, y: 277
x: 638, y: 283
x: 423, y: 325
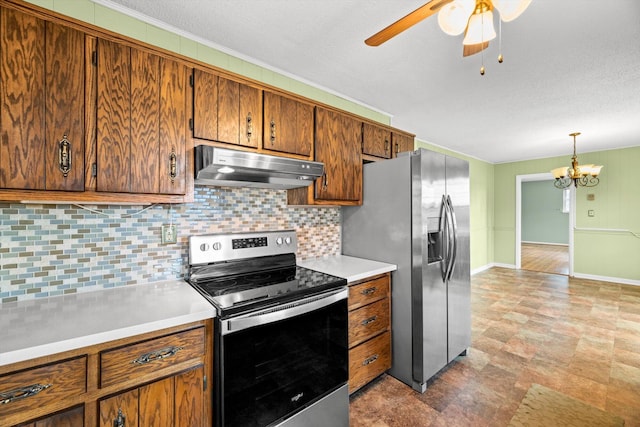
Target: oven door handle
x: 286, y: 311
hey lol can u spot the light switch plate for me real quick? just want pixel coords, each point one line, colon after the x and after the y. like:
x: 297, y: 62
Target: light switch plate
x: 169, y: 234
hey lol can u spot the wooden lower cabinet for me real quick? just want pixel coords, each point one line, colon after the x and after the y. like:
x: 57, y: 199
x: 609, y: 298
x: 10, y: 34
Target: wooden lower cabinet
x: 369, y: 330
x: 155, y: 379
x: 170, y: 402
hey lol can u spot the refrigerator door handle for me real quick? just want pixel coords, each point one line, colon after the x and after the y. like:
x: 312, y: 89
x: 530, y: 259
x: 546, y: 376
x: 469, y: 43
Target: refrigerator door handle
x: 454, y: 237
x: 444, y: 239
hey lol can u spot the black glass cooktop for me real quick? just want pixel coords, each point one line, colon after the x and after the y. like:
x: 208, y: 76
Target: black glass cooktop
x: 233, y: 289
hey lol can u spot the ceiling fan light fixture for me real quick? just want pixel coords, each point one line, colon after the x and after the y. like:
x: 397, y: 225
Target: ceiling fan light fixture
x: 510, y: 9
x: 454, y: 16
x: 480, y: 28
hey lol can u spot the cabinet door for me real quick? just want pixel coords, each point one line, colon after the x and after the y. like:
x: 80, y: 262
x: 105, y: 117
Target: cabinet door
x: 401, y: 143
x: 288, y: 126
x: 70, y: 418
x: 121, y: 409
x: 173, y: 127
x: 156, y: 404
x: 65, y: 65
x: 190, y: 399
x: 22, y: 145
x: 113, y: 117
x: 205, y: 105
x: 338, y: 146
x: 250, y: 116
x: 145, y: 123
x: 376, y: 141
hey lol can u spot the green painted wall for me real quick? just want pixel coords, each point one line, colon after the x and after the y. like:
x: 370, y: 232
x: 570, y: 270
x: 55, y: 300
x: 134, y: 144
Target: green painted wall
x: 542, y: 218
x: 481, y: 216
x: 610, y: 254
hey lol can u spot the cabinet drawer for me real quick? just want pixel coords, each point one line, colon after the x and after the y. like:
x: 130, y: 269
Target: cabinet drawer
x: 132, y: 361
x: 367, y: 292
x: 368, y: 360
x: 43, y: 385
x: 368, y: 321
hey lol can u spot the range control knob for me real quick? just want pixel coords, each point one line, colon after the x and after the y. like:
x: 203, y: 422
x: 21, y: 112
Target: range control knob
x: 279, y: 241
x: 287, y: 240
x: 217, y: 246
x: 204, y: 247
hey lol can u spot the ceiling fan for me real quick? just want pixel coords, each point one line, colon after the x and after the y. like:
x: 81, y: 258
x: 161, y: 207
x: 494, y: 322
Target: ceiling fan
x: 473, y: 17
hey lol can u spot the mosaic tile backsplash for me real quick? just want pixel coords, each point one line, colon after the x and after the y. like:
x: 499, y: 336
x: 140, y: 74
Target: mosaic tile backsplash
x: 48, y: 250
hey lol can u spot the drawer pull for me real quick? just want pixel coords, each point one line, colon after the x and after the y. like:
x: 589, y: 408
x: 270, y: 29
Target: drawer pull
x: 365, y: 322
x: 163, y: 353
x: 22, y: 393
x: 368, y: 291
x: 369, y: 360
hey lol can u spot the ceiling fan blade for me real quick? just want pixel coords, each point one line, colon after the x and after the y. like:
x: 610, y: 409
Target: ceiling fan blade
x: 472, y: 49
x: 408, y: 21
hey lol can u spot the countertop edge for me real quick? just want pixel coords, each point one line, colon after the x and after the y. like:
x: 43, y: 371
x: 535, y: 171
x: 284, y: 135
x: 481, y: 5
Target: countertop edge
x: 49, y: 349
x: 351, y: 268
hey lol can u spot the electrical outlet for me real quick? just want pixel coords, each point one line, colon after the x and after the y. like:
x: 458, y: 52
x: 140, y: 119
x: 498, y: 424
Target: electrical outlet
x: 169, y: 234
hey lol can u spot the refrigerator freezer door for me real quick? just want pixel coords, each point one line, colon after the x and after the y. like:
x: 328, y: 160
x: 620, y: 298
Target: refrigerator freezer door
x: 428, y: 288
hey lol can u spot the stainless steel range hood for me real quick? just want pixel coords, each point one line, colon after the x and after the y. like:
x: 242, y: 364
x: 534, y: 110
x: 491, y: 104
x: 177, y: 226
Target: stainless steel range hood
x: 230, y: 168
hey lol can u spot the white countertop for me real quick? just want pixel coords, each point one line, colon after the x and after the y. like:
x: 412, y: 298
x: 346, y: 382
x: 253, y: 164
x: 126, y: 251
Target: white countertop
x: 348, y: 267
x: 45, y: 326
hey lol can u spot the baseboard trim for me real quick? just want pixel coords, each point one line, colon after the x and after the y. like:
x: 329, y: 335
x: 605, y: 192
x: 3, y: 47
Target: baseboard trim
x: 607, y: 279
x: 544, y: 243
x: 488, y: 266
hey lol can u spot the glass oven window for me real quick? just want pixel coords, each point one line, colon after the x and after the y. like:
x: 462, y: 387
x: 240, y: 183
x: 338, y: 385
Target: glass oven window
x: 274, y: 370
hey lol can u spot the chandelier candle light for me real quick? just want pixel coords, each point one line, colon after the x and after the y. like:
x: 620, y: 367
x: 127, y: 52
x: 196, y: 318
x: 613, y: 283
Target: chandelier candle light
x: 584, y: 176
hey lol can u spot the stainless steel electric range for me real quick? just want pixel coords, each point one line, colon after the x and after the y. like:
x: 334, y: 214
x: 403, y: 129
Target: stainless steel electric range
x: 280, y: 344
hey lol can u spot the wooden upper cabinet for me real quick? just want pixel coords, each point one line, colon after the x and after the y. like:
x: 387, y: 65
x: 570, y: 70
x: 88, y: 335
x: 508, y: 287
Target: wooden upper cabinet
x: 376, y: 140
x: 337, y: 145
x: 226, y: 110
x: 288, y: 125
x: 42, y: 96
x: 401, y: 142
x: 141, y: 121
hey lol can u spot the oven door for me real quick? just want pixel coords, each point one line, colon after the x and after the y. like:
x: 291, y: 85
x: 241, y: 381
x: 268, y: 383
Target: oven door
x: 282, y: 361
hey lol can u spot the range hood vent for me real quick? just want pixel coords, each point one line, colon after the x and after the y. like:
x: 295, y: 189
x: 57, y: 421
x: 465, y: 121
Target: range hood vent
x: 231, y: 168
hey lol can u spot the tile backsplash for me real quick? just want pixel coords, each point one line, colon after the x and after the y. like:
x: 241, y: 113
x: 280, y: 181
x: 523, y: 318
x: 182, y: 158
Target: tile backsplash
x: 48, y: 250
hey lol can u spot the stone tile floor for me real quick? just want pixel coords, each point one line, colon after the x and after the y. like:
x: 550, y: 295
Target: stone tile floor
x: 579, y: 337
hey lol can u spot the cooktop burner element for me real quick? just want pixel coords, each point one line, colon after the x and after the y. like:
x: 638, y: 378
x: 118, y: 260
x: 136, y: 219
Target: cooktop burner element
x: 241, y: 272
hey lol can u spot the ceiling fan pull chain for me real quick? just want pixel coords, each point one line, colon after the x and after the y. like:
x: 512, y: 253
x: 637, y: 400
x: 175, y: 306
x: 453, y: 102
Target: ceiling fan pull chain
x: 500, y: 41
x: 482, y: 51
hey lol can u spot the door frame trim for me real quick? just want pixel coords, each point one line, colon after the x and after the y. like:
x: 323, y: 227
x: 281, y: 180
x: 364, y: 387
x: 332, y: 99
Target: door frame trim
x: 545, y: 176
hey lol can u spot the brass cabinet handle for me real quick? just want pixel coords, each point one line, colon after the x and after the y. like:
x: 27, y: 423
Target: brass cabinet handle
x: 152, y: 356
x: 397, y: 148
x: 386, y: 145
x: 173, y: 164
x: 249, y: 127
x: 325, y: 181
x: 368, y: 291
x: 273, y: 132
x: 22, y: 393
x: 365, y: 322
x: 369, y: 360
x: 64, y: 156
x: 120, y: 420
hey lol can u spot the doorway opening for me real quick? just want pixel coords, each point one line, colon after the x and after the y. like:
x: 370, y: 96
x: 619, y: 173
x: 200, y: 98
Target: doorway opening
x: 547, y: 245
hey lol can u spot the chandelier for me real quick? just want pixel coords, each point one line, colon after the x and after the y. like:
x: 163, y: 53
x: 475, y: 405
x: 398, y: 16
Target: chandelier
x: 584, y: 176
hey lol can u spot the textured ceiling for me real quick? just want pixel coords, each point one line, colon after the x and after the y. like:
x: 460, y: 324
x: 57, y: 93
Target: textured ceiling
x: 570, y: 65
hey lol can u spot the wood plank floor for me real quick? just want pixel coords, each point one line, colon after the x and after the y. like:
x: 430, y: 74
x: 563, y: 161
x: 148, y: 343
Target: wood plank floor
x: 578, y: 337
x: 545, y: 258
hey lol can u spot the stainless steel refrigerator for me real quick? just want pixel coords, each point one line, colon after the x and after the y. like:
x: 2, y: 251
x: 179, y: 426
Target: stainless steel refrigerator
x: 415, y: 214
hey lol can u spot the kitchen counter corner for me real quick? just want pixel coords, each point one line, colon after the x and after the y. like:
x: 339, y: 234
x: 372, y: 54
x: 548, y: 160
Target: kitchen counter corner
x: 348, y: 267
